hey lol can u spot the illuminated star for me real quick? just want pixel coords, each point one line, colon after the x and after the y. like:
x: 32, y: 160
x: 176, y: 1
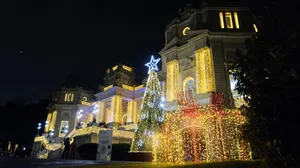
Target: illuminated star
x: 140, y: 143
x: 152, y: 65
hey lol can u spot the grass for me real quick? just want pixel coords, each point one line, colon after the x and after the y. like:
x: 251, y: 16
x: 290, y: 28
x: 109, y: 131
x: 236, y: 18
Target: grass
x: 227, y: 164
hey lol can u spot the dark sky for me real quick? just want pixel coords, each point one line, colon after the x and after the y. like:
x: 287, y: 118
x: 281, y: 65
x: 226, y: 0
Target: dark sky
x: 42, y: 42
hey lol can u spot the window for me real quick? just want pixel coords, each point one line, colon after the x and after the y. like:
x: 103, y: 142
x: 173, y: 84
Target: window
x: 64, y: 128
x: 255, y: 28
x: 228, y: 19
x: 221, y: 20
x: 236, y: 20
x: 69, y: 97
x: 189, y: 84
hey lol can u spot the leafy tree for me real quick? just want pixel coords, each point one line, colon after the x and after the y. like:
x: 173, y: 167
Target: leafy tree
x: 268, y: 77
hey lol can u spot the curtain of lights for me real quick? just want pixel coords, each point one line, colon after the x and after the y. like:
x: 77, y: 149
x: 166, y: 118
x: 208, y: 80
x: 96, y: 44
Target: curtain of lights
x: 172, y: 79
x: 201, y: 134
x: 204, y: 71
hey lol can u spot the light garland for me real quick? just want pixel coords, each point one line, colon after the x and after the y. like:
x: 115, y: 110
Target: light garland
x: 151, y: 115
x: 201, y: 134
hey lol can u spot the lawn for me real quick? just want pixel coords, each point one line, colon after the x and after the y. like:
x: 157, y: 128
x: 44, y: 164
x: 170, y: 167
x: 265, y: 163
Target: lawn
x: 228, y: 164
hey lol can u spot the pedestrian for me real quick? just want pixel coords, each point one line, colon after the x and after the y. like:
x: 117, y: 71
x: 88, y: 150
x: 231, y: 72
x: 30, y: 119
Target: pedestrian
x: 73, y: 149
x: 66, y: 149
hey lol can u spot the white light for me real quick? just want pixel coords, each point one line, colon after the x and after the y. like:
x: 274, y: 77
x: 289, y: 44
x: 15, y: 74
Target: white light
x: 65, y: 131
x: 162, y: 99
x: 67, y: 126
x: 39, y: 128
x: 152, y: 65
x: 51, y: 133
x: 140, y: 143
x: 161, y: 105
x: 24, y: 148
x: 39, y: 124
x: 81, y: 110
x: 46, y: 122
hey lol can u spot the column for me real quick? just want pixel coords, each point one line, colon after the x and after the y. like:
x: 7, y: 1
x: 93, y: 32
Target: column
x: 116, y: 109
x: 136, y: 111
x: 101, y: 112
x: 48, y: 122
x: 53, y: 120
x: 131, y: 111
x: 172, y: 80
x: 90, y: 117
x: 205, y: 80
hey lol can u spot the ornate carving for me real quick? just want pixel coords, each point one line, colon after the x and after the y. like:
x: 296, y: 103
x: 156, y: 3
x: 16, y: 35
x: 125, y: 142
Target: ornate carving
x: 201, y: 43
x: 186, y: 63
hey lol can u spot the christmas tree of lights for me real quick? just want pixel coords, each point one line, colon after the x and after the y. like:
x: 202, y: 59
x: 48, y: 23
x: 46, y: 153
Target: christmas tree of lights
x: 152, y: 115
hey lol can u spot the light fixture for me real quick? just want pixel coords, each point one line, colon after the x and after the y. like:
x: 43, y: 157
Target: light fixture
x: 185, y: 30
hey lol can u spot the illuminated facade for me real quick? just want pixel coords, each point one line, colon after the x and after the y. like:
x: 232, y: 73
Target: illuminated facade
x: 200, y: 46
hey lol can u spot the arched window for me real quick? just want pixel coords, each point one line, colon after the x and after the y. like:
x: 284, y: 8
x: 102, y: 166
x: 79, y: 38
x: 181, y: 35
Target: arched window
x: 189, y: 83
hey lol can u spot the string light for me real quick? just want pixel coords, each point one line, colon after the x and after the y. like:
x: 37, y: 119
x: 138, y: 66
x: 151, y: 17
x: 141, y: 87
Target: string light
x: 201, y: 134
x: 151, y: 115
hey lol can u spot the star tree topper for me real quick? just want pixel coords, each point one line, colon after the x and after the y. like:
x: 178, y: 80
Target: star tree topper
x: 152, y: 65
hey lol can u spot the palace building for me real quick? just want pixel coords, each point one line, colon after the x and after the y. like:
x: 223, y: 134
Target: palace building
x: 200, y: 45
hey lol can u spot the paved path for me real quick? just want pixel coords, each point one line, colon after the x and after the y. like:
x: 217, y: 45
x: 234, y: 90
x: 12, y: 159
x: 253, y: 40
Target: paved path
x: 8, y: 162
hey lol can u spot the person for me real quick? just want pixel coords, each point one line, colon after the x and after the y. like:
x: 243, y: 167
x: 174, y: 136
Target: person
x: 73, y: 149
x: 66, y: 149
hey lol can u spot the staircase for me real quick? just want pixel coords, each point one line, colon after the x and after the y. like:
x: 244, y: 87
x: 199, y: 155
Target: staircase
x: 51, y: 147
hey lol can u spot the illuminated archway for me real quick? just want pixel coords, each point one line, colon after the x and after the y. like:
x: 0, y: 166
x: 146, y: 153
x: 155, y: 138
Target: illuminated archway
x: 124, y: 118
x: 189, y: 83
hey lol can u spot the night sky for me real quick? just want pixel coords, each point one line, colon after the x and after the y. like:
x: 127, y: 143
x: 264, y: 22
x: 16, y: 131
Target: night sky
x: 42, y: 42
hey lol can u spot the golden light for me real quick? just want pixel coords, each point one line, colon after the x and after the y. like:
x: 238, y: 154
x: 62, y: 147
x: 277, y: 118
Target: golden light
x: 255, y: 28
x: 204, y: 134
x: 172, y: 79
x: 185, y: 30
x: 221, y: 20
x: 236, y: 20
x: 205, y: 81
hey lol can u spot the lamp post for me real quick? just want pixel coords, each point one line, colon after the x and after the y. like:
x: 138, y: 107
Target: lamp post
x: 46, y: 125
x: 79, y: 115
x: 39, y: 127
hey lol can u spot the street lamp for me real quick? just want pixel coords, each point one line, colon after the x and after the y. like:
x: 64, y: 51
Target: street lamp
x: 39, y: 127
x: 46, y: 124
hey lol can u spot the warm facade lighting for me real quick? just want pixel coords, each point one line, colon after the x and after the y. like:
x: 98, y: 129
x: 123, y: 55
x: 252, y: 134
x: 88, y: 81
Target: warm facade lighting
x: 127, y: 68
x: 107, y: 87
x: 69, y: 97
x: 115, y: 67
x: 228, y: 19
x: 236, y: 20
x: 205, y: 81
x: 172, y: 79
x: 53, y: 120
x: 185, y: 30
x: 116, y: 109
x: 221, y: 20
x: 127, y: 87
x: 255, y: 28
